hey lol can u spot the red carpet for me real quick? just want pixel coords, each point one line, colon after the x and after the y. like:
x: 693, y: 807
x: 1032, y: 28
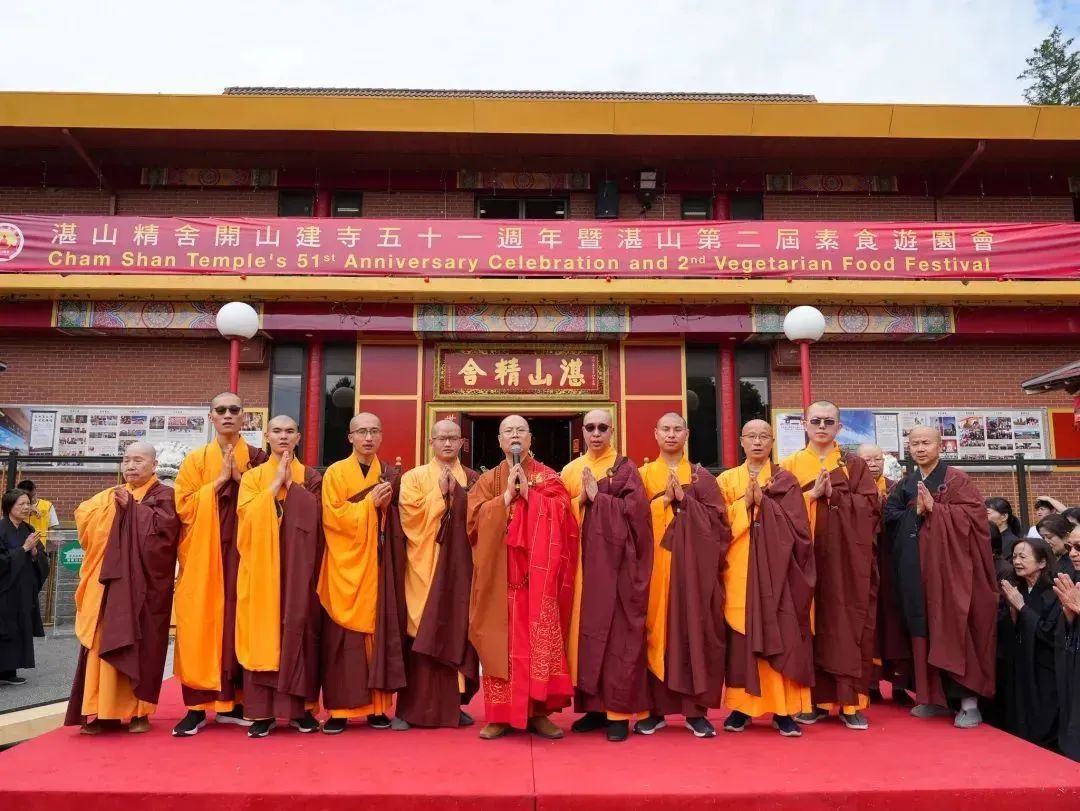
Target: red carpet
x: 900, y: 763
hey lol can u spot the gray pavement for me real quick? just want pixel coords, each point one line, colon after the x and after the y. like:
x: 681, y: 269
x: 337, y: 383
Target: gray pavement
x: 55, y: 657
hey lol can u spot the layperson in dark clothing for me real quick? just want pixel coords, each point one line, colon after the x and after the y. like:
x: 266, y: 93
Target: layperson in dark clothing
x: 1067, y: 661
x: 24, y: 567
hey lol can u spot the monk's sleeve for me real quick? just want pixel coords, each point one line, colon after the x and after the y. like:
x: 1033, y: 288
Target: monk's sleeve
x: 488, y: 617
x: 791, y: 465
x: 157, y: 530
x: 421, y: 509
x: 487, y: 513
x: 623, y: 512
x: 258, y: 584
x: 348, y: 582
x: 194, y: 499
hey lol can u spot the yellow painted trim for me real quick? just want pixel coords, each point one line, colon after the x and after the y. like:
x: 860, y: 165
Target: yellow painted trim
x: 419, y: 399
x: 194, y: 287
x: 547, y: 116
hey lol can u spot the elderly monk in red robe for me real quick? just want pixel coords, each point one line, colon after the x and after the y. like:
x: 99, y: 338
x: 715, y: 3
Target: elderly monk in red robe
x: 945, y: 578
x: 611, y: 597
x: 205, y: 602
x: 279, y: 537
x: 124, y: 599
x: 525, y: 551
x: 770, y: 588
x: 442, y: 671
x: 892, y: 654
x: 359, y: 584
x: 685, y: 622
x: 844, y: 507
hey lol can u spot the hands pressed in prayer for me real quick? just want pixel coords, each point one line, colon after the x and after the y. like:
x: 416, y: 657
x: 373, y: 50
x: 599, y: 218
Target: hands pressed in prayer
x: 1012, y: 596
x: 823, y: 486
x: 122, y: 496
x: 31, y: 542
x: 589, y: 488
x: 228, y: 469
x: 283, y: 477
x: 754, y: 494
x: 381, y: 493
x: 676, y: 489
x: 1068, y: 594
x: 924, y: 502
x: 517, y: 475
x: 446, y: 482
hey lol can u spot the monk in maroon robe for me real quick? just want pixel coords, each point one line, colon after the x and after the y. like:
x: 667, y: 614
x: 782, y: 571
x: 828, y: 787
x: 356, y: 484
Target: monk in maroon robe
x: 279, y: 537
x: 945, y: 577
x: 607, y: 633
x: 129, y: 535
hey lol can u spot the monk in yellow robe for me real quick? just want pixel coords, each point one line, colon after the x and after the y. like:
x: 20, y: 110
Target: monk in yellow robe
x: 129, y: 536
x: 607, y: 629
x: 206, y: 488
x: 356, y: 504
x: 442, y: 671
x: 278, y: 536
x: 770, y: 587
x: 685, y: 622
x: 844, y: 507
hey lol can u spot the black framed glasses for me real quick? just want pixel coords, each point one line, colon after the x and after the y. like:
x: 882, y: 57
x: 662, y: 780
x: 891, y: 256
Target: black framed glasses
x: 594, y: 426
x: 230, y: 409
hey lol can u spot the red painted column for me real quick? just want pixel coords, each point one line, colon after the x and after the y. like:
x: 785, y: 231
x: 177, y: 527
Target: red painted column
x: 804, y: 369
x: 322, y: 202
x: 313, y: 405
x: 721, y: 207
x: 234, y: 365
x: 729, y: 404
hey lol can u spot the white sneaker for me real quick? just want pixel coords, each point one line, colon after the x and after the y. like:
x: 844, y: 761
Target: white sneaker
x: 968, y: 719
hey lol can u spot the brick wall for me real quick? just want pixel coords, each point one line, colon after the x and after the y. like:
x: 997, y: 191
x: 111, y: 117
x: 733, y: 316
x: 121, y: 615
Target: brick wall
x: 454, y: 204
x: 198, y: 202
x: 910, y: 207
x: 115, y: 371
x: 927, y: 375
x: 31, y: 200
x: 664, y: 207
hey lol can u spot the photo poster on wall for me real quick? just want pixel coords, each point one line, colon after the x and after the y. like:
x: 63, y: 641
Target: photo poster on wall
x: 83, y: 431
x: 966, y: 433
x: 253, y: 429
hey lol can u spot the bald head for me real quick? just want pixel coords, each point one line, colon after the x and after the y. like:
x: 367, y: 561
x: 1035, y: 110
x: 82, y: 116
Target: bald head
x: 671, y: 434
x: 924, y: 445
x: 365, y: 436
x: 874, y: 458
x: 282, y: 421
x: 671, y: 417
x: 596, y: 428
x: 227, y: 415
x: 445, y: 427
x: 282, y: 434
x: 227, y: 397
x: 365, y: 419
x: 514, y: 429
x: 756, y: 439
x: 446, y: 441
x: 139, y: 463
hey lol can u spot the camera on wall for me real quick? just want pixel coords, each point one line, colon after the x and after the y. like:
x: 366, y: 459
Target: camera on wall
x: 3, y: 367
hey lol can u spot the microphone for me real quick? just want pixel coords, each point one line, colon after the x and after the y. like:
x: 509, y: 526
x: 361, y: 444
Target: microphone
x: 515, y: 456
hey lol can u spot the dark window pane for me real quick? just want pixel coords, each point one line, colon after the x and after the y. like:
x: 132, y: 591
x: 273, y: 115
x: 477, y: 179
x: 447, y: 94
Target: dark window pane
x: 747, y: 207
x: 339, y: 359
x: 296, y: 203
x: 753, y: 399
x: 701, y: 405
x: 339, y: 397
x: 286, y: 396
x: 498, y: 208
x: 287, y: 359
x: 345, y: 204
x: 696, y: 208
x: 545, y: 208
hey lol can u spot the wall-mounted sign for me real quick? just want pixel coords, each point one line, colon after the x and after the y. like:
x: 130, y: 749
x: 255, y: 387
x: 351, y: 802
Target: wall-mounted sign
x: 531, y: 371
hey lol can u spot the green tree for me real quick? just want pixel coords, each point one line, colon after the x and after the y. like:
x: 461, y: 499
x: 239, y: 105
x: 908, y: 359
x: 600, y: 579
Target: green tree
x: 1054, y: 72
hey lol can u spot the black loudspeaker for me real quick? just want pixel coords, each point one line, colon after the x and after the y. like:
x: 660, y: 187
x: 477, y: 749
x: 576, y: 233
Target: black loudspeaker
x: 607, y: 200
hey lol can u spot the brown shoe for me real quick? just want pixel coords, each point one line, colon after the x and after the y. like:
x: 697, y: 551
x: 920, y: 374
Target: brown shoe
x: 94, y: 727
x: 139, y: 724
x: 545, y: 727
x: 492, y: 731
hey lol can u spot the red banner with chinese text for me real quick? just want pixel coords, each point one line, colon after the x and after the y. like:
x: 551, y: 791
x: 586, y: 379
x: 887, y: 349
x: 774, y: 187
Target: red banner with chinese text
x: 541, y: 372
x: 554, y: 248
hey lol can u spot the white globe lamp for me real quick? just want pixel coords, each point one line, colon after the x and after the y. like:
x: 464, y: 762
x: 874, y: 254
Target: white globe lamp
x: 804, y: 325
x: 238, y: 322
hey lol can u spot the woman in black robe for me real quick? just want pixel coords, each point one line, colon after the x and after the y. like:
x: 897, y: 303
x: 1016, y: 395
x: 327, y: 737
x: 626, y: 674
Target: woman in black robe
x: 1067, y: 647
x: 24, y: 567
x: 1026, y: 631
x: 1005, y: 531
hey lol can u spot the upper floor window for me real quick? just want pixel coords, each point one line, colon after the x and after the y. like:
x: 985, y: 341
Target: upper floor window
x: 522, y: 208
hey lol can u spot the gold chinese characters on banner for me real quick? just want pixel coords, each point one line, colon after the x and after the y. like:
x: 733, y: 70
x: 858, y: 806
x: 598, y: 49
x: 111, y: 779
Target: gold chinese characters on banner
x: 541, y: 372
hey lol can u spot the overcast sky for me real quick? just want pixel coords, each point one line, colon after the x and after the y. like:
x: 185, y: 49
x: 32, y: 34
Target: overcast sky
x: 956, y: 51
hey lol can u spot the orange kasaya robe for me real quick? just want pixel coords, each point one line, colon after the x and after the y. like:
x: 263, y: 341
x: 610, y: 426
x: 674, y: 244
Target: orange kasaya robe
x: 204, y: 603
x: 805, y: 465
x: 277, y: 536
x: 779, y: 694
x: 349, y: 586
x: 599, y: 464
x: 106, y: 692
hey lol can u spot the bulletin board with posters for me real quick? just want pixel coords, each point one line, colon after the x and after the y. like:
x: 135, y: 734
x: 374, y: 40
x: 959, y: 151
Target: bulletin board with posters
x: 253, y: 429
x: 78, y: 431
x: 966, y: 433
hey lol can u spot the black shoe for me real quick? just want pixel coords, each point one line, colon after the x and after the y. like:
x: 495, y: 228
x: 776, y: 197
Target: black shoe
x: 855, y: 721
x: 233, y: 716
x: 786, y: 726
x: 647, y: 726
x: 875, y: 694
x: 812, y: 717
x: 589, y: 722
x: 465, y: 720
x: 701, y: 727
x: 335, y: 726
x: 378, y: 721
x: 305, y: 723
x: 14, y: 681
x: 736, y: 722
x: 617, y: 731
x: 260, y: 729
x: 190, y: 724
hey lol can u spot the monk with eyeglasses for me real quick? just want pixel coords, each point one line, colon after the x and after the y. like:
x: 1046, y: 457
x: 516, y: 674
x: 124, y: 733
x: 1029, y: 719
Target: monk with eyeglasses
x: 844, y: 507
